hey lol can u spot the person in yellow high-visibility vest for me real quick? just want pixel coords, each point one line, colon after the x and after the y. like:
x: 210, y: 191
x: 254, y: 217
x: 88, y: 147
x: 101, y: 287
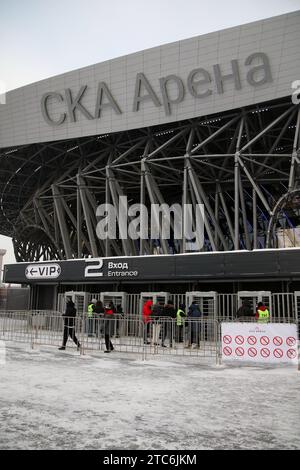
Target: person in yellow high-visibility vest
x: 262, y: 313
x: 90, y: 315
x: 180, y: 315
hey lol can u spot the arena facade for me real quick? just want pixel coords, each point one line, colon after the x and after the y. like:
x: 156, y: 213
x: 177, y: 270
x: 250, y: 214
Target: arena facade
x: 212, y: 120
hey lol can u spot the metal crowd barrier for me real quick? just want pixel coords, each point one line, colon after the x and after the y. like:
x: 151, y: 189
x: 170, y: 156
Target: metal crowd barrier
x: 48, y: 328
x: 14, y: 326
x: 126, y: 333
x: 196, y: 337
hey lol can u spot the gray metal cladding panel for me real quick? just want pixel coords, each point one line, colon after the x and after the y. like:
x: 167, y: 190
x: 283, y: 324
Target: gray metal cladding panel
x: 289, y: 262
x: 251, y: 263
x: 204, y: 66
x: 200, y: 266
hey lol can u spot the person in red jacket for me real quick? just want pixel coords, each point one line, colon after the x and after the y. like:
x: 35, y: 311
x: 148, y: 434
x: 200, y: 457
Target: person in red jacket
x: 147, y: 310
x: 262, y: 313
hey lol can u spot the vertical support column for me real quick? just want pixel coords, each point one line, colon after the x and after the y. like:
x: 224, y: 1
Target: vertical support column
x: 107, y: 201
x: 153, y: 191
x: 244, y: 215
x: 198, y: 188
x: 184, y: 203
x: 87, y: 215
x: 227, y: 216
x: 56, y: 226
x: 217, y: 215
x: 142, y: 205
x: 236, y: 202
x: 79, y: 224
x: 199, y: 199
x: 62, y: 222
x: 116, y: 192
x: 236, y: 187
x: 254, y: 202
x: 294, y: 154
x: 185, y: 188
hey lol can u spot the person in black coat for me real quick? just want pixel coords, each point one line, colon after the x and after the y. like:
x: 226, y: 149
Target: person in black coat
x: 109, y: 323
x: 69, y: 325
x: 194, y: 317
x: 168, y: 325
x: 245, y: 311
x: 99, y: 313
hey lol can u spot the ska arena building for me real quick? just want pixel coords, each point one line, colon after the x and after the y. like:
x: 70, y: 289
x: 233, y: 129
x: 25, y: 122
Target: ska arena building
x: 212, y: 120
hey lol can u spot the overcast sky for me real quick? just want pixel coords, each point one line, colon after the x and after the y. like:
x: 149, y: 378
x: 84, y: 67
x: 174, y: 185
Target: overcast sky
x: 42, y: 38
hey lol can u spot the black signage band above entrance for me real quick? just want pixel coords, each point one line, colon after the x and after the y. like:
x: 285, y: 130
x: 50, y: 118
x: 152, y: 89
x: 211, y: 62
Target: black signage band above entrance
x: 276, y: 264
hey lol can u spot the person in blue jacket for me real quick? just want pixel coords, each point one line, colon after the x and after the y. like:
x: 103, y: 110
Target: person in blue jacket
x: 194, y: 316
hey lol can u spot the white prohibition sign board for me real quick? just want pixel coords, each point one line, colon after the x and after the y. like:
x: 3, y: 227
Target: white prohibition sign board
x: 249, y: 335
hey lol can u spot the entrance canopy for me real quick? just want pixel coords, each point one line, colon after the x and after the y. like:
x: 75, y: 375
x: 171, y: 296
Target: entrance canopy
x: 269, y: 264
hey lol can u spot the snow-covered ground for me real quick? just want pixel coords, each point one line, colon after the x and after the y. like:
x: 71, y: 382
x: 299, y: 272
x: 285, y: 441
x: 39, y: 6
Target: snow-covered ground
x: 52, y: 399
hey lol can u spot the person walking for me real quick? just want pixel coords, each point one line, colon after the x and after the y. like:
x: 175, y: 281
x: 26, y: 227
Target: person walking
x: 180, y: 316
x: 69, y: 325
x: 109, y: 312
x: 262, y: 313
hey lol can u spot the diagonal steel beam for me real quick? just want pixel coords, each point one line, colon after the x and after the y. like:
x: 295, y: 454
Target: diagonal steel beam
x: 64, y: 231
x: 214, y: 135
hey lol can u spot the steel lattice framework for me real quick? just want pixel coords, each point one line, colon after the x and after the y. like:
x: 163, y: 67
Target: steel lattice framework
x: 239, y: 164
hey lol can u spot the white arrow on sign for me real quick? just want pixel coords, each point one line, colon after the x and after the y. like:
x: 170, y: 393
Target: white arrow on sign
x: 42, y: 271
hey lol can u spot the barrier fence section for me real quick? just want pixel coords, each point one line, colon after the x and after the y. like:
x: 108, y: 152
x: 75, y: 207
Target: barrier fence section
x: 123, y: 333
x: 162, y: 336
x: 194, y: 338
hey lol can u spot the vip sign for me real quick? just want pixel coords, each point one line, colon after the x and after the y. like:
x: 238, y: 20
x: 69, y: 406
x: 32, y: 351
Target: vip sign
x: 42, y: 271
x: 268, y: 343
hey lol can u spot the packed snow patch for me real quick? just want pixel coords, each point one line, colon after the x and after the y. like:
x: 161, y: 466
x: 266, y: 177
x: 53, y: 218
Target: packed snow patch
x: 52, y: 399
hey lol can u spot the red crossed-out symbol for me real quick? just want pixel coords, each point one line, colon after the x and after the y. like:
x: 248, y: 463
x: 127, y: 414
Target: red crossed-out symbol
x: 291, y: 353
x: 227, y: 339
x: 252, y: 340
x: 278, y: 353
x: 277, y: 340
x: 252, y: 352
x: 239, y: 339
x: 265, y: 352
x: 291, y: 341
x: 227, y: 351
x: 264, y: 340
x: 239, y: 351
